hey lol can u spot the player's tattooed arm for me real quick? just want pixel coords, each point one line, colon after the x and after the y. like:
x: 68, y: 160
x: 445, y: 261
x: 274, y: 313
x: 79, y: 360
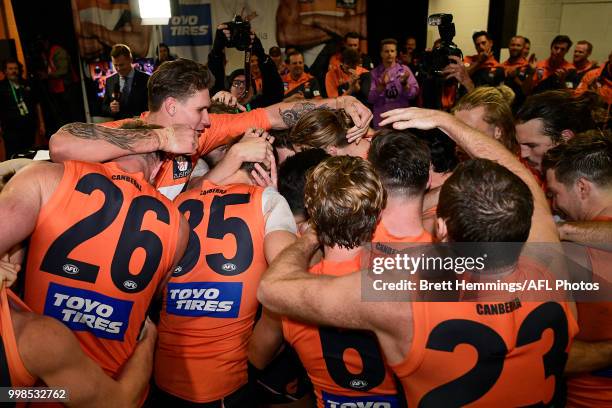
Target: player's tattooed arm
x: 285, y: 115
x: 96, y: 143
x: 126, y: 139
x: 290, y: 115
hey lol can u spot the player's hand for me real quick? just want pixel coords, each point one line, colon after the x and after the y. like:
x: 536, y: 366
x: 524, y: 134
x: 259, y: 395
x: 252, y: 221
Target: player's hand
x: 179, y: 139
x: 458, y: 71
x: 149, y: 331
x: 262, y: 177
x: 532, y: 61
x: 360, y: 115
x: 228, y: 99
x: 225, y: 29
x: 252, y: 148
x: 416, y: 118
x: 8, y: 272
x: 114, y: 106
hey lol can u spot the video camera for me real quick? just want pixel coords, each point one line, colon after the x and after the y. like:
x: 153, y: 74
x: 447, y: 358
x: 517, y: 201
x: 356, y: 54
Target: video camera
x: 240, y: 33
x: 435, y: 60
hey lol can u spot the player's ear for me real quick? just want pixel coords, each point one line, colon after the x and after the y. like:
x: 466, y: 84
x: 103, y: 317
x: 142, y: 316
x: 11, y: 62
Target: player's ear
x: 441, y: 231
x: 169, y: 106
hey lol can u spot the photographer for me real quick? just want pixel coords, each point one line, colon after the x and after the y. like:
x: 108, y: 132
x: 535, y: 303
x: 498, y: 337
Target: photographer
x: 271, y: 89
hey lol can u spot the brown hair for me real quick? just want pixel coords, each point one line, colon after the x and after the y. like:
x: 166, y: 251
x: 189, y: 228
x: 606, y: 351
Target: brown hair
x: 588, y: 44
x: 321, y: 128
x: 587, y: 155
x: 344, y: 198
x: 496, y: 102
x: 388, y: 41
x: 179, y: 79
x: 503, y: 208
x: 119, y: 50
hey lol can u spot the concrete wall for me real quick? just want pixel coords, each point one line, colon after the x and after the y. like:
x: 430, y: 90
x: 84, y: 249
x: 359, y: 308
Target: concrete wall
x: 542, y: 20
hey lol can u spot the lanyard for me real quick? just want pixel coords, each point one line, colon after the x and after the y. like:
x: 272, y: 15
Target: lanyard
x: 23, y: 108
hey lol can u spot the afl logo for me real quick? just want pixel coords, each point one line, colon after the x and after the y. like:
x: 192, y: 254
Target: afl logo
x: 178, y: 269
x: 71, y: 269
x: 358, y: 384
x: 182, y: 163
x: 130, y: 284
x: 228, y: 267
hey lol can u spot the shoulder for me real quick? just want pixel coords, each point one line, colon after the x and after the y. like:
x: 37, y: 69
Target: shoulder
x: 141, y: 74
x: 112, y: 78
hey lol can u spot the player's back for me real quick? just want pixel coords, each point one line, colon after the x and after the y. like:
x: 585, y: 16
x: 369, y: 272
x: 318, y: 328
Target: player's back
x: 494, y: 352
x: 210, y: 303
x: 102, y: 244
x: 595, y: 321
x: 345, y: 366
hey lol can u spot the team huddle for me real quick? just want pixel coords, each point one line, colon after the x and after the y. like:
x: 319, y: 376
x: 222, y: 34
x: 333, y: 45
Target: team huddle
x: 169, y: 261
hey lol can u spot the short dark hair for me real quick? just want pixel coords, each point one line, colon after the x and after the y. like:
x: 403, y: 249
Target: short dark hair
x: 483, y: 201
x: 562, y: 39
x: 344, y: 198
x: 281, y: 138
x: 388, y: 41
x: 119, y: 50
x: 401, y: 160
x: 587, y: 155
x: 351, y: 34
x: 179, y: 79
x: 480, y: 33
x: 559, y: 110
x: 292, y: 177
x: 296, y: 52
x: 350, y: 57
x: 527, y: 40
x: 588, y: 44
x: 441, y: 148
x: 11, y: 60
x: 275, y: 51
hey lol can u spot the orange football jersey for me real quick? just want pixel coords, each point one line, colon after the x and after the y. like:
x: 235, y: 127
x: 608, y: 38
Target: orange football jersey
x: 210, y: 303
x: 345, y: 366
x: 103, y: 243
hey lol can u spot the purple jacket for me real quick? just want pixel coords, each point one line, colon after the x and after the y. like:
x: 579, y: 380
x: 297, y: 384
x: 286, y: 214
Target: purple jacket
x: 394, y: 95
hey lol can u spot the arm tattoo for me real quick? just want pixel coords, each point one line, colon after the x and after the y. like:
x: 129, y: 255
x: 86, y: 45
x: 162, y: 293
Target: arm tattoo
x: 292, y: 115
x: 126, y: 139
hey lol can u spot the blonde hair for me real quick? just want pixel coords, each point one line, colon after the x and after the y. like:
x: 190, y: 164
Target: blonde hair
x: 496, y: 102
x: 344, y: 198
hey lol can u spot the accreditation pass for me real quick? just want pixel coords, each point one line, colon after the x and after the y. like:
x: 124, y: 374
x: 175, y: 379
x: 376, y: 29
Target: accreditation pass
x: 33, y: 394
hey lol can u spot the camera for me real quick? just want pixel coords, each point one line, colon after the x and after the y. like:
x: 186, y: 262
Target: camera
x: 240, y: 33
x: 435, y: 60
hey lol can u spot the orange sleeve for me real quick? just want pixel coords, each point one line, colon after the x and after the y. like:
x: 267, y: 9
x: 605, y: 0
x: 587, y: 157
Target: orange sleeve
x: 586, y: 81
x: 225, y: 127
x: 331, y: 86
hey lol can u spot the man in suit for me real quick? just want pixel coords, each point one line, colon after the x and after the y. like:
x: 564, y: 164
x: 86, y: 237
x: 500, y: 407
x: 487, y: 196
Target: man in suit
x: 126, y: 92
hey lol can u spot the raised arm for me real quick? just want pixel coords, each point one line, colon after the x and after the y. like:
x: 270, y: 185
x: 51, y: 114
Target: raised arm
x: 285, y: 115
x: 97, y: 143
x: 476, y: 144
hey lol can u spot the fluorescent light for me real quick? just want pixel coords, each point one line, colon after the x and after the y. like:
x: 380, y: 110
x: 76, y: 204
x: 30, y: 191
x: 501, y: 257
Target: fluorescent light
x: 154, y: 12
